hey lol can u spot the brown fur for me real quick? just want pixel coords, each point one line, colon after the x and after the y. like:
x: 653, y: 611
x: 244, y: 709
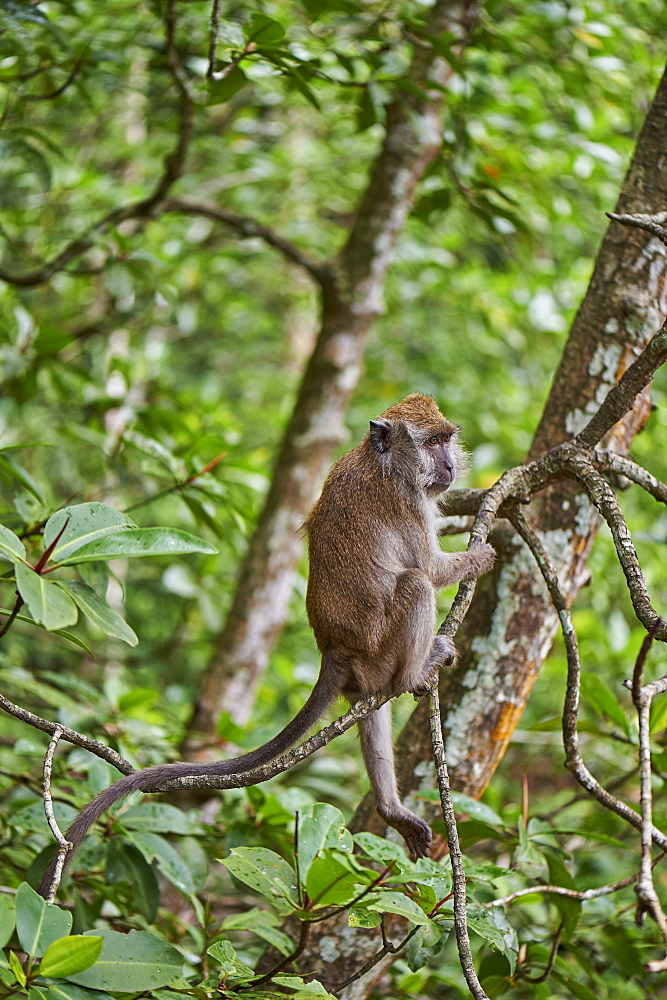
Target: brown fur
x: 375, y: 565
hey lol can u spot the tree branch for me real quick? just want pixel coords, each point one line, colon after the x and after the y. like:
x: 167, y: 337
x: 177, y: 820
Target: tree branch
x: 249, y: 227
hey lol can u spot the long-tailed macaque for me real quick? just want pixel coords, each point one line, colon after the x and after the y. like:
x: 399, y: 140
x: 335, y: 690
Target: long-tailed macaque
x: 375, y: 565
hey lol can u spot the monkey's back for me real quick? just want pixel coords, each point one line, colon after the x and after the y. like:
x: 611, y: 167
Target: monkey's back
x: 355, y: 531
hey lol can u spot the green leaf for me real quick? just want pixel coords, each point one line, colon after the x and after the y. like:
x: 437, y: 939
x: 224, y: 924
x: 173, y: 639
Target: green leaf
x: 168, y: 860
x: 266, y: 872
x: 333, y: 882
x: 231, y: 965
x: 160, y: 817
x: 86, y: 522
x: 494, y: 927
x: 263, y: 30
x: 126, y: 863
x: 67, y: 991
x: 98, y: 611
x: 380, y: 850
x: 47, y: 602
x: 10, y: 470
x: 69, y: 955
x: 136, y: 542
x: 475, y: 809
x: 17, y: 968
x: 7, y: 918
x: 56, y: 631
x: 38, y: 923
x: 319, y: 825
x: 361, y: 916
x: 396, y: 902
x: 131, y: 963
x: 219, y: 91
x: 11, y: 546
x: 263, y: 924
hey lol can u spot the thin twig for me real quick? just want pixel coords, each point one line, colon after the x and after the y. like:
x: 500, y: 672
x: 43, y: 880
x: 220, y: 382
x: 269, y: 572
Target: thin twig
x: 214, y: 27
x: 287, y: 960
x: 64, y: 845
x: 642, y: 696
x: 605, y: 500
x: 573, y: 759
x: 249, y: 227
x: 455, y: 856
x: 542, y: 978
x: 18, y: 604
x: 559, y: 890
x: 99, y: 749
x: 610, y: 461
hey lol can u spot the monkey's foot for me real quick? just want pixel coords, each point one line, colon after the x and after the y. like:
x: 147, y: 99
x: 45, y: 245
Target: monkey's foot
x: 443, y: 650
x: 415, y: 831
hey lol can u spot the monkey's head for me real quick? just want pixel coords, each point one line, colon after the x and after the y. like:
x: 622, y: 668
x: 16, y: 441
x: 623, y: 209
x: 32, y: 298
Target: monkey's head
x: 417, y: 443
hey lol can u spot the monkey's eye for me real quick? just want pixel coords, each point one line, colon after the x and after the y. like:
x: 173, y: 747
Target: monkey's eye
x: 434, y: 439
x: 447, y: 438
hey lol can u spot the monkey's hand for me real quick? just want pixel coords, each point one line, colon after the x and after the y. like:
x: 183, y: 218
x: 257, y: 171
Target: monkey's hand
x: 480, y: 560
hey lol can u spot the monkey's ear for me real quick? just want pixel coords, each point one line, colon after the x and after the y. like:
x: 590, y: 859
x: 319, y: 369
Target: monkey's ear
x: 379, y: 433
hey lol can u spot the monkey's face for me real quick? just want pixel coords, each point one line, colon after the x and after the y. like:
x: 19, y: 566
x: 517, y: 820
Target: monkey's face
x: 439, y: 459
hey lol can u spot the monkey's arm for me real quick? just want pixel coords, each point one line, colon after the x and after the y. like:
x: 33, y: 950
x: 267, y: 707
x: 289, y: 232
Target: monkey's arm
x: 454, y: 567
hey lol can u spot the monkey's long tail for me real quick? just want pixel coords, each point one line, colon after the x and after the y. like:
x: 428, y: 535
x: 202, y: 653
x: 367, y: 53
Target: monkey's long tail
x: 151, y: 778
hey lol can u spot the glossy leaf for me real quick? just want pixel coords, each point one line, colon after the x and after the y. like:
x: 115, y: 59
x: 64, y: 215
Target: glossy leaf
x: 132, y: 543
x: 264, y: 871
x: 98, y: 611
x: 11, y: 546
x: 85, y: 523
x: 38, y: 923
x: 69, y: 955
x: 48, y: 603
x: 130, y: 963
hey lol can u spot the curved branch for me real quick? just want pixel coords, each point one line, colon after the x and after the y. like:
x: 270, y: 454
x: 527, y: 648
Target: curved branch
x: 573, y: 760
x: 611, y: 461
x: 621, y: 396
x: 99, y: 749
x: 605, y: 500
x: 249, y: 227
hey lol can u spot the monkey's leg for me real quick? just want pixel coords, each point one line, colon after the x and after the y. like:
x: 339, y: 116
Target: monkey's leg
x: 377, y: 748
x: 411, y: 640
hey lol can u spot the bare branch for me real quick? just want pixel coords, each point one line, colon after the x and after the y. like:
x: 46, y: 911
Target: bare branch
x: 249, y: 227
x: 455, y: 856
x: 99, y: 749
x: 649, y: 223
x: 64, y: 845
x: 605, y: 500
x: 559, y: 890
x: 573, y: 760
x: 621, y: 396
x: 642, y: 696
x: 610, y: 461
x: 214, y: 27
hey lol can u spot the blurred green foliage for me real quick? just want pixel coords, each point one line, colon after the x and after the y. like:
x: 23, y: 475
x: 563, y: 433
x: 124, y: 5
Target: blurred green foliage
x: 173, y: 341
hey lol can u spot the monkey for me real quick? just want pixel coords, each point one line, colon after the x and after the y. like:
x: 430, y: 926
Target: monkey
x: 375, y: 566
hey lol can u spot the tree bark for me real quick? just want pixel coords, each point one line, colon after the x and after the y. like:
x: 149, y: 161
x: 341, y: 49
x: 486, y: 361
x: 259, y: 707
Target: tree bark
x: 351, y: 297
x: 511, y: 623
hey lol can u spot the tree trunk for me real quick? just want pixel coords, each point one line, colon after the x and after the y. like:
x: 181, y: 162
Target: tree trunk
x: 351, y: 297
x: 511, y: 623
